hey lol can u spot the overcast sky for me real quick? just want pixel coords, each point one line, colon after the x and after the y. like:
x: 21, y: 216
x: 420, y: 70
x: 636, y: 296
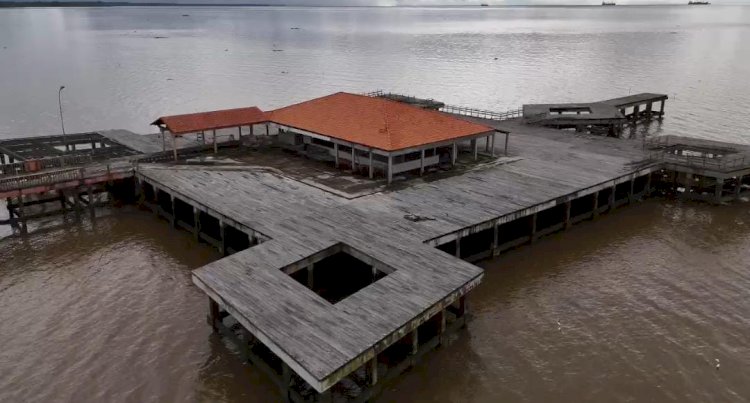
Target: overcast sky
x: 419, y: 2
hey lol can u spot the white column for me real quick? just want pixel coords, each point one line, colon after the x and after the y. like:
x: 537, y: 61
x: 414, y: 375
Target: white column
x: 216, y: 146
x: 454, y: 154
x: 354, y: 167
x: 476, y: 148
x: 336, y: 154
x: 421, y: 167
x: 492, y: 148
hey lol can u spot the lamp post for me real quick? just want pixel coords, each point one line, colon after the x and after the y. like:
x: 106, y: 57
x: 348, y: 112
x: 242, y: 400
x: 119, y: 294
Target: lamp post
x: 62, y: 122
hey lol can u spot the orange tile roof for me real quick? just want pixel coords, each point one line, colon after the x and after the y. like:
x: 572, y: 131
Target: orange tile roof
x: 201, y: 121
x: 374, y: 122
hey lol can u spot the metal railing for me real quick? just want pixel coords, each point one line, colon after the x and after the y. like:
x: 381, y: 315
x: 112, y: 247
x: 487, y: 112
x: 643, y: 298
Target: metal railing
x: 483, y: 113
x: 41, y: 164
x: 458, y: 110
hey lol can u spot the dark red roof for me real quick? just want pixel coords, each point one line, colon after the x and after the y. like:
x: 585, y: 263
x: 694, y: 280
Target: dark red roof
x: 374, y: 122
x: 196, y: 122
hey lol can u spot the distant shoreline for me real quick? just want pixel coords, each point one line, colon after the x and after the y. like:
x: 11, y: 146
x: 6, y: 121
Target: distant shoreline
x: 43, y: 4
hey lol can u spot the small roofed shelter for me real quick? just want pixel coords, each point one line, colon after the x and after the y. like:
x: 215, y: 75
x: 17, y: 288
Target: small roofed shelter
x: 376, y: 133
x: 229, y: 121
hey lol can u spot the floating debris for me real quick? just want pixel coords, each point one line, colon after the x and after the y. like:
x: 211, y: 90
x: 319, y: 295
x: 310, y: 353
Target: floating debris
x: 186, y: 15
x: 170, y: 79
x: 160, y: 37
x: 294, y: 28
x: 278, y: 50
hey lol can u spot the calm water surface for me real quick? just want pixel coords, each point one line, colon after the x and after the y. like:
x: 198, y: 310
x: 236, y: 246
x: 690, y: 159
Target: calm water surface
x: 636, y: 306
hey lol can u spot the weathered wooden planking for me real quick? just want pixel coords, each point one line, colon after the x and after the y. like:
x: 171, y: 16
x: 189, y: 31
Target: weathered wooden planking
x: 318, y: 339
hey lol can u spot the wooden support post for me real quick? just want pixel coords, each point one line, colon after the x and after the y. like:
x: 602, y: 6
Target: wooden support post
x: 647, y: 189
x: 371, y: 368
x: 354, y: 164
x: 475, y: 146
x: 506, y: 143
x: 239, y: 134
x: 636, y: 111
x: 421, y: 166
x: 390, y: 168
x: 462, y: 308
x: 492, y: 146
x: 441, y: 326
x: 414, y: 342
x: 2, y: 159
x: 649, y: 106
x: 532, y: 231
x: 612, y: 198
x: 216, y: 145
x: 371, y: 167
x: 661, y: 109
x: 495, y: 230
x: 286, y: 381
x: 631, y: 194
x: 213, y: 315
x: 566, y: 221
x: 163, y: 140
x: 252, y: 130
x: 222, y: 239
x: 21, y: 216
x: 719, y: 190
x: 268, y: 129
x: 454, y: 154
x: 91, y: 201
x: 173, y: 219
x: 336, y: 155
x: 458, y: 247
x: 63, y: 206
x: 174, y: 146
x: 738, y: 187
x: 196, y: 223
x: 311, y: 276
x: 595, y: 212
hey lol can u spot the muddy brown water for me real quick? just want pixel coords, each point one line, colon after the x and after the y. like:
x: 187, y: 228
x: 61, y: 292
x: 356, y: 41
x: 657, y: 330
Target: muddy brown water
x: 635, y: 306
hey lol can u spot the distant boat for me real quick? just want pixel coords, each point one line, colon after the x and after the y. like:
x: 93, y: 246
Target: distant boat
x: 609, y: 3
x: 484, y: 5
x: 698, y: 3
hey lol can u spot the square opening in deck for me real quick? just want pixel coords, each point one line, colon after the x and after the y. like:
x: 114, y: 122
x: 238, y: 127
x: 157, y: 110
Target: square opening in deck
x: 337, y: 272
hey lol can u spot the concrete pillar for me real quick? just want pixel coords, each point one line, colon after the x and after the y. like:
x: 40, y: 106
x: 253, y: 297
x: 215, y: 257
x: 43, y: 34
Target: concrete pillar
x: 506, y: 143
x: 636, y: 110
x: 631, y: 194
x: 661, y: 108
x: 612, y: 198
x: 595, y: 211
x: 354, y: 164
x: 216, y: 145
x: 390, y: 168
x: 532, y: 229
x: 336, y: 155
x: 492, y: 146
x: 454, y: 154
x: 649, y: 106
x: 566, y: 221
x: 421, y: 166
x: 371, y: 167
x: 475, y: 146
x: 647, y: 189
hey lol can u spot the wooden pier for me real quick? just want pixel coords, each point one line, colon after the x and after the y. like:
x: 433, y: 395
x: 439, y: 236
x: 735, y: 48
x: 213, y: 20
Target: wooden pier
x: 334, y: 293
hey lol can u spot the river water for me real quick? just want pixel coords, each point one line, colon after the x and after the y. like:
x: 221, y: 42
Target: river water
x: 636, y: 306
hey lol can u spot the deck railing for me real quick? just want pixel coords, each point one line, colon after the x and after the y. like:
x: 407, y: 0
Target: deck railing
x: 40, y: 179
x: 458, y: 110
x: 482, y: 113
x: 41, y: 164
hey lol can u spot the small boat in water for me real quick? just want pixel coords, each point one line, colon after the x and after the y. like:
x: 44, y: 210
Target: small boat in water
x: 484, y: 5
x: 698, y: 3
x: 609, y: 3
